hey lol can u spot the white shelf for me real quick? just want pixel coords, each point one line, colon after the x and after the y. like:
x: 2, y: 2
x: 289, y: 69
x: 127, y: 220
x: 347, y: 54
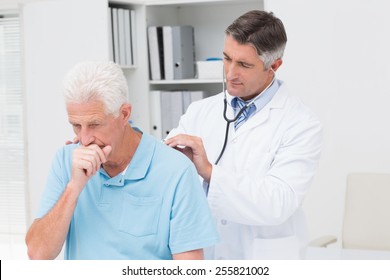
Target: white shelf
x: 128, y: 67
x: 193, y: 2
x: 186, y: 82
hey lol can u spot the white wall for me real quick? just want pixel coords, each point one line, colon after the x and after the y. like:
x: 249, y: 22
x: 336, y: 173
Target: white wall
x: 337, y: 60
x: 57, y: 35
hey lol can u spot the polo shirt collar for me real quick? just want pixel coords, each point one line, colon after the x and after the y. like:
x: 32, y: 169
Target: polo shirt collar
x: 139, y: 164
x: 142, y: 158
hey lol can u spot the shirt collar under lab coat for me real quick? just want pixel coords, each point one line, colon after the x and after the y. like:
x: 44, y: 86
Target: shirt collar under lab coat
x: 264, y: 98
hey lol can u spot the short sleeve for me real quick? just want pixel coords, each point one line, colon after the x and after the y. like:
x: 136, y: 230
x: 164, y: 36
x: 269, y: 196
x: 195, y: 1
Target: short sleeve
x: 192, y: 225
x: 56, y: 182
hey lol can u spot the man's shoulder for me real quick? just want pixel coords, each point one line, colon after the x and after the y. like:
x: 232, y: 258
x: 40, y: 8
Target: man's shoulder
x: 171, y: 156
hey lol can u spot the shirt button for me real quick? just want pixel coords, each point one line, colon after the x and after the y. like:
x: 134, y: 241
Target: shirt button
x: 223, y: 222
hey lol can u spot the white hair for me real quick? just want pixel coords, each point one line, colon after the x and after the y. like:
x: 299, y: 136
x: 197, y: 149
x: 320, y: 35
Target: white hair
x: 269, y: 57
x: 101, y: 81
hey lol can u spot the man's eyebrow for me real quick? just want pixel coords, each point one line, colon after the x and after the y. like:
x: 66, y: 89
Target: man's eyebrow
x: 94, y: 121
x: 240, y: 61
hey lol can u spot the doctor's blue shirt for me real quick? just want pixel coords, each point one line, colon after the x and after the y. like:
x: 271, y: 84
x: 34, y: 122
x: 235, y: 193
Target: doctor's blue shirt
x: 154, y: 209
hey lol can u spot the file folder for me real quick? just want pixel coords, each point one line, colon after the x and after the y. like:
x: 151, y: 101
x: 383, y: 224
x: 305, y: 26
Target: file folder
x: 179, y: 52
x: 155, y: 52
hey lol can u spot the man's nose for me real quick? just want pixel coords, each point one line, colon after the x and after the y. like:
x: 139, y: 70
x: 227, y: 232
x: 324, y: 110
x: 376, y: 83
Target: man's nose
x: 86, y: 137
x: 231, y: 71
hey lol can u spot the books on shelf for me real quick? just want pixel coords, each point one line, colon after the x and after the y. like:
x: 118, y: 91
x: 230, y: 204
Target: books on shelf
x: 167, y: 107
x: 122, y: 36
x: 171, y: 52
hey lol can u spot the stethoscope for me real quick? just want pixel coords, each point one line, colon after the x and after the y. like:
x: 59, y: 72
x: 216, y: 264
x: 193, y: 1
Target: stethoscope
x: 229, y: 121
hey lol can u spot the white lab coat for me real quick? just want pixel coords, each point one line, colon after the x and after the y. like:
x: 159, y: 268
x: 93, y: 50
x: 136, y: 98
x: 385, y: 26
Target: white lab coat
x: 257, y: 189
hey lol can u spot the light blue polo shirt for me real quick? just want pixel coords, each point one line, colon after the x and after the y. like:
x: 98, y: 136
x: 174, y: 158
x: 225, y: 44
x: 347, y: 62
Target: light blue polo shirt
x: 156, y: 209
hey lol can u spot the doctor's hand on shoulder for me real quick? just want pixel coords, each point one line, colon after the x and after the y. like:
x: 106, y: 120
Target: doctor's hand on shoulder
x: 193, y: 148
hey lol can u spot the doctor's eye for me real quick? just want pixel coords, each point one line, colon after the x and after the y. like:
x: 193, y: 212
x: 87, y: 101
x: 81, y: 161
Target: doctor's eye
x: 245, y: 65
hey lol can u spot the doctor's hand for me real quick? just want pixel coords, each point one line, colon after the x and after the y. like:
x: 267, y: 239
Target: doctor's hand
x: 75, y: 141
x: 193, y: 148
x: 86, y: 162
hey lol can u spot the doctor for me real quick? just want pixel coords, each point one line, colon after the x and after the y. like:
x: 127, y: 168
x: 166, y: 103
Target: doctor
x: 257, y: 180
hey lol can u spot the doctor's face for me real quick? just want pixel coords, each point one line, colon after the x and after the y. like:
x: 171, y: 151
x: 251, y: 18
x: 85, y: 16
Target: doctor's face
x: 244, y: 70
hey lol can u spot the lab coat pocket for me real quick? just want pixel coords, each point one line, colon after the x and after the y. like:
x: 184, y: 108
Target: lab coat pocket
x: 285, y: 248
x: 140, y: 215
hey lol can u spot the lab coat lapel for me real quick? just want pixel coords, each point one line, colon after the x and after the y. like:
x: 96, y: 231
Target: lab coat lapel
x: 261, y: 117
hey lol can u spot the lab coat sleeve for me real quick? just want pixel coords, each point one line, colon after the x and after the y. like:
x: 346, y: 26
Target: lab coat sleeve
x: 270, y: 197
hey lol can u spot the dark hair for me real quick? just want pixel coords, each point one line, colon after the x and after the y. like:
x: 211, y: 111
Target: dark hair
x: 262, y: 30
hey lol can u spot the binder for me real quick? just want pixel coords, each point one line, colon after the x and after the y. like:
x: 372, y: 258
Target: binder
x: 133, y: 36
x: 176, y: 109
x: 191, y: 96
x: 127, y: 33
x: 166, y: 124
x: 197, y: 95
x: 121, y: 35
x: 110, y: 36
x: 156, y: 114
x: 186, y: 97
x: 161, y: 51
x: 155, y: 52
x: 168, y: 52
x: 166, y: 111
x: 115, y: 34
x: 179, y: 52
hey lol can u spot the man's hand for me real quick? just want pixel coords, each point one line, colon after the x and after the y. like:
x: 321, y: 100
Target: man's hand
x: 193, y: 148
x: 86, y: 162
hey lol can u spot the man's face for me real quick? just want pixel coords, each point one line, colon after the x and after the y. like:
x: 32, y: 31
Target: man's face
x: 92, y: 125
x: 244, y: 70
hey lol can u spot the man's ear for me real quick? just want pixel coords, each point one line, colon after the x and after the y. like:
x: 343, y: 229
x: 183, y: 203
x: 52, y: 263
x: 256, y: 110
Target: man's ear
x: 276, y: 64
x: 125, y: 112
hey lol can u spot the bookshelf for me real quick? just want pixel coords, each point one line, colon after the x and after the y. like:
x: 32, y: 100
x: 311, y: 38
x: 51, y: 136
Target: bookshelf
x: 209, y: 19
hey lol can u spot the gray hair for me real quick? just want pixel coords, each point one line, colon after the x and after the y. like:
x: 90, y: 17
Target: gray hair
x: 262, y: 30
x: 100, y: 81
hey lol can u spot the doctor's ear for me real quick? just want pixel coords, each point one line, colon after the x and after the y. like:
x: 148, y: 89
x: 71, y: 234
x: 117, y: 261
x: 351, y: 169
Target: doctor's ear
x: 276, y: 64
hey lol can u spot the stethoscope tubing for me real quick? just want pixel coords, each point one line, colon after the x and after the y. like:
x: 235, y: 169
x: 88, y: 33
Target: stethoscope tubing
x: 229, y: 121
